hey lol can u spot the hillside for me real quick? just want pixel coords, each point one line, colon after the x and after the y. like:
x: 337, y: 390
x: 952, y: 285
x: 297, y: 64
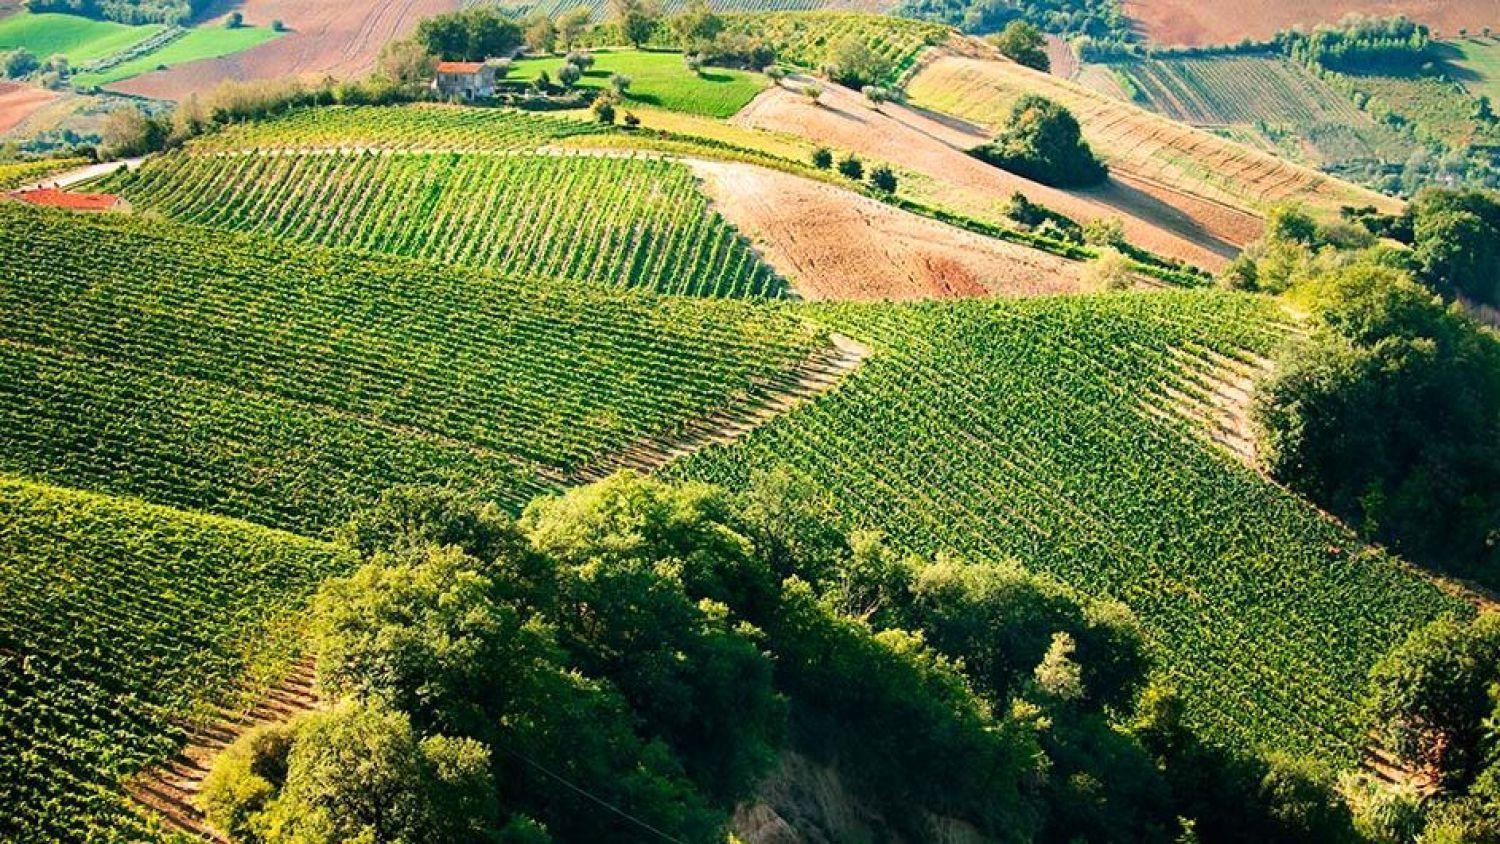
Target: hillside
x: 121, y: 623
x: 1040, y: 430
x: 258, y: 381
x: 1200, y: 22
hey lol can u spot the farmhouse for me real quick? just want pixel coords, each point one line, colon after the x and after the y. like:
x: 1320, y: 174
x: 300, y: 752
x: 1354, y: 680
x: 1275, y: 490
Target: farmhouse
x: 464, y: 79
x: 55, y: 198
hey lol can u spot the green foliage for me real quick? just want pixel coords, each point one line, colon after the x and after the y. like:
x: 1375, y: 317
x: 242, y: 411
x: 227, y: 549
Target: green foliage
x: 1042, y: 141
x: 119, y: 622
x: 1023, y: 43
x: 17, y: 174
x: 811, y: 39
x: 850, y: 167
x: 822, y: 158
x: 258, y: 382
x: 473, y: 34
x: 1456, y: 241
x: 640, y: 222
x: 637, y: 19
x: 1103, y: 21
x: 935, y: 443
x: 883, y: 178
x: 854, y: 64
x: 696, y: 27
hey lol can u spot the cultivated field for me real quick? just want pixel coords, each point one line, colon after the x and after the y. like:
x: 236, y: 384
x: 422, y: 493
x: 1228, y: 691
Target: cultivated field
x: 337, y: 39
x: 291, y: 385
x: 1475, y: 62
x: 636, y: 222
x: 835, y: 244
x: 1199, y: 22
x: 1033, y: 429
x: 431, y: 128
x: 935, y: 149
x: 1135, y: 142
x: 805, y: 39
x: 20, y: 174
x: 600, y: 7
x: 120, y: 623
x: 1439, y: 109
x: 18, y: 102
x: 196, y: 45
x: 659, y: 79
x: 80, y: 39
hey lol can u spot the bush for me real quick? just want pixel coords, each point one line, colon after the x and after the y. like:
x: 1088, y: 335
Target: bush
x: 604, y: 111
x: 851, y: 167
x: 853, y: 64
x: 822, y: 158
x: 1042, y: 141
x: 883, y: 178
x: 569, y: 74
x: 234, y: 21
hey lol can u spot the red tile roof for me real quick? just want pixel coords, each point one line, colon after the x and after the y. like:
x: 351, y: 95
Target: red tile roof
x: 55, y: 198
x: 459, y: 67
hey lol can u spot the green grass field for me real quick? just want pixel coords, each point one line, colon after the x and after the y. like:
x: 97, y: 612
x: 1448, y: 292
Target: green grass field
x: 659, y: 79
x: 1041, y: 430
x: 197, y: 44
x: 80, y: 39
x: 1475, y: 62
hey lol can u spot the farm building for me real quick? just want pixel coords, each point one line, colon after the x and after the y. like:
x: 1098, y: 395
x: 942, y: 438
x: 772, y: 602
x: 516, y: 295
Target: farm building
x: 55, y: 198
x: 464, y: 79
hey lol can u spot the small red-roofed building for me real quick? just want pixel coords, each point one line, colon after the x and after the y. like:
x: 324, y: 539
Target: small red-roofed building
x: 469, y: 80
x: 54, y: 198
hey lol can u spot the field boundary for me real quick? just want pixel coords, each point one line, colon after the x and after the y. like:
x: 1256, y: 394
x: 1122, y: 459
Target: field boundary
x: 818, y: 374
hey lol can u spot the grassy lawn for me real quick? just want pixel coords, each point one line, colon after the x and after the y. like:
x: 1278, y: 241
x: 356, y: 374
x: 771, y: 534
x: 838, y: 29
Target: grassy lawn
x: 204, y: 43
x: 1476, y: 63
x: 659, y: 79
x: 80, y: 39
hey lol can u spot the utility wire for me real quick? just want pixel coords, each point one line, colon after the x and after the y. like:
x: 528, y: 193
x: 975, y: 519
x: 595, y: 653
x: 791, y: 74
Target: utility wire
x: 601, y: 801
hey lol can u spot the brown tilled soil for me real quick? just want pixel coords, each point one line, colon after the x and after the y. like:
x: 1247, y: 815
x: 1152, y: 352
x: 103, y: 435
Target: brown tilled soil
x: 169, y: 791
x: 18, y: 102
x: 1198, y: 22
x: 326, y: 39
x: 935, y: 146
x: 835, y: 244
x: 1063, y: 59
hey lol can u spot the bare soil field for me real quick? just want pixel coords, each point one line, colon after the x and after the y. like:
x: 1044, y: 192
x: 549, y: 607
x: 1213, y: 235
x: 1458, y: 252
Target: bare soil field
x: 325, y: 39
x: 1198, y: 22
x: 1157, y: 156
x: 933, y: 147
x: 18, y: 102
x: 836, y: 244
x: 1063, y: 60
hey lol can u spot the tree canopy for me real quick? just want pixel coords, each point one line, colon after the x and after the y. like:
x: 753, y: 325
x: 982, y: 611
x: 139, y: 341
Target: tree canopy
x: 1043, y: 141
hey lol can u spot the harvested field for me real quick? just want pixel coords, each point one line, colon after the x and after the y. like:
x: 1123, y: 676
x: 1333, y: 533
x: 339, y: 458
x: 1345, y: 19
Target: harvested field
x: 835, y: 244
x: 324, y: 39
x: 1143, y: 148
x: 18, y: 102
x: 1063, y: 60
x: 1199, y: 22
x: 934, y: 146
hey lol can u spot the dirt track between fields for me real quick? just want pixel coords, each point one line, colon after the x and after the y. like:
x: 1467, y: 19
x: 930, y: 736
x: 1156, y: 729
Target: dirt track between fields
x: 836, y: 244
x: 934, y: 146
x: 1198, y: 22
x: 325, y: 39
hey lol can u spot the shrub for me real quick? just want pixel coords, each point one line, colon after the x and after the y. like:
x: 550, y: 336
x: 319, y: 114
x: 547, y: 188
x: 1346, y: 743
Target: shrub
x: 568, y: 75
x: 852, y: 167
x: 883, y: 178
x: 813, y: 91
x: 875, y: 95
x: 619, y: 82
x: 631, y: 121
x: 234, y: 21
x: 604, y: 110
x: 822, y: 158
x: 277, y: 25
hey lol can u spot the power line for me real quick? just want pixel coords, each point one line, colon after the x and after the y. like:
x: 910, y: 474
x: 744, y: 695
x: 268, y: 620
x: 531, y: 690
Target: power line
x: 601, y: 801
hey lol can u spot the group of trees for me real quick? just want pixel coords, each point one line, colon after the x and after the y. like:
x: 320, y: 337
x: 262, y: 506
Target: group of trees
x: 177, y: 12
x: 629, y: 660
x: 1388, y: 413
x: 1024, y: 44
x: 1098, y: 19
x: 1358, y: 43
x: 1043, y: 142
x: 473, y: 34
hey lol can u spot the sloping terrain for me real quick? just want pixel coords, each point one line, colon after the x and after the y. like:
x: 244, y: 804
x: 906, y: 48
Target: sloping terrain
x: 18, y: 102
x: 290, y: 385
x: 121, y: 623
x: 935, y: 148
x: 1164, y: 159
x: 1034, y: 429
x: 324, y: 39
x: 836, y: 244
x: 1199, y: 22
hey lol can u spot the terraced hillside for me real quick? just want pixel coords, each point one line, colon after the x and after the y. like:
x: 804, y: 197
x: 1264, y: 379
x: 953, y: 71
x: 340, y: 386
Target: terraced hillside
x: 290, y: 385
x: 121, y: 622
x: 1134, y: 141
x: 635, y: 222
x: 1040, y: 430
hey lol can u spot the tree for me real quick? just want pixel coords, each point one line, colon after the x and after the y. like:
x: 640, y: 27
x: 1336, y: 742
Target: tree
x: 405, y: 63
x: 883, y: 179
x: 851, y: 167
x: 604, y: 110
x: 473, y: 34
x: 775, y: 73
x: 234, y: 21
x: 694, y: 63
x: 619, y: 82
x: 637, y: 19
x: 569, y: 74
x: 1024, y: 44
x: 571, y: 24
x: 696, y: 27
x: 541, y: 33
x: 1043, y: 141
x: 822, y: 158
x: 17, y: 63
x: 277, y: 25
x: 875, y: 95
x: 129, y: 131
x: 813, y: 91
x: 351, y: 773
x: 853, y: 64
x: 582, y: 58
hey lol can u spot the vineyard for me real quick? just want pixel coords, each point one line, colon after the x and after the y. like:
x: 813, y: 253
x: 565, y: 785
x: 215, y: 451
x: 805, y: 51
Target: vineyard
x: 636, y: 222
x: 22, y: 173
x: 600, y: 8
x: 1134, y: 141
x: 1033, y: 430
x: 416, y: 127
x: 120, y: 622
x: 1247, y: 90
x: 290, y: 386
x: 805, y: 39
